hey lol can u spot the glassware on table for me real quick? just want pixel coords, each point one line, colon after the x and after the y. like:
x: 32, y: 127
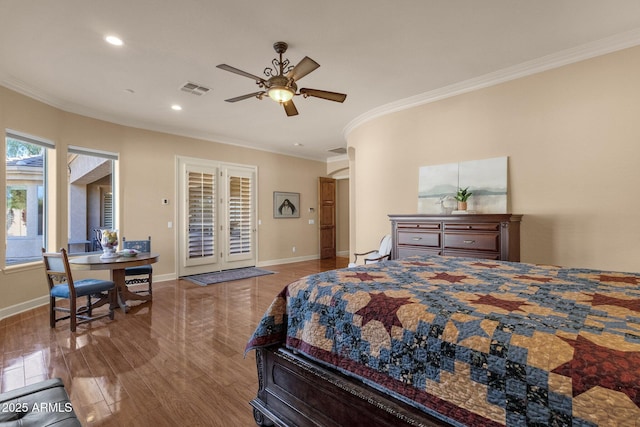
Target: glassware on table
x: 109, y: 242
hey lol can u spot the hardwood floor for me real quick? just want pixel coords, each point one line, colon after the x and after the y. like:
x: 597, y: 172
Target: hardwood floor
x: 173, y: 362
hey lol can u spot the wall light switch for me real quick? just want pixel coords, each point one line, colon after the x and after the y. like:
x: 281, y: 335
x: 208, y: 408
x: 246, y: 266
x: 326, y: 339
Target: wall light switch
x: 165, y: 201
x: 170, y: 224
x: 311, y: 221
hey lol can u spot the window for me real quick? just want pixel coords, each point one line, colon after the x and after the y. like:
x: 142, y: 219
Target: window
x: 91, y: 203
x: 26, y: 160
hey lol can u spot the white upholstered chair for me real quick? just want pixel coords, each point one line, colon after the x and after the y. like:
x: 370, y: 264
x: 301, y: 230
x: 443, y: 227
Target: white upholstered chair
x: 375, y: 255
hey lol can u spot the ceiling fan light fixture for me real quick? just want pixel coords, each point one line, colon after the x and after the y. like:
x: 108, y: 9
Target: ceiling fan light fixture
x: 281, y: 85
x: 281, y: 94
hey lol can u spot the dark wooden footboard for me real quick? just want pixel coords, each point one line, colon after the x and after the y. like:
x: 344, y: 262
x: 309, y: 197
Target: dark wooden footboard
x: 293, y: 391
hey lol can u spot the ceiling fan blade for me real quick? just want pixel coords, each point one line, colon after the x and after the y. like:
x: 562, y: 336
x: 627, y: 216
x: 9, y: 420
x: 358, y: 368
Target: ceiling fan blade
x: 290, y: 108
x: 303, y: 68
x: 247, y: 96
x: 240, y: 72
x: 331, y: 96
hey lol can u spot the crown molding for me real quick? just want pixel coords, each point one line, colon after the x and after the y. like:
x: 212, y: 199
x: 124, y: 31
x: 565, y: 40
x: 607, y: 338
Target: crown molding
x: 565, y: 57
x: 339, y: 158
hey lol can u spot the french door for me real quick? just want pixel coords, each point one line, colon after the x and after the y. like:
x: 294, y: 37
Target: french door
x: 217, y: 216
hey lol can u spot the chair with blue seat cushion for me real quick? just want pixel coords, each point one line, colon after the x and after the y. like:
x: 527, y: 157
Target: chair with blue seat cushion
x: 141, y: 273
x: 96, y: 240
x: 62, y: 285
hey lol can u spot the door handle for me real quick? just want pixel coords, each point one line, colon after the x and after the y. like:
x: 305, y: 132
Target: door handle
x: 470, y: 242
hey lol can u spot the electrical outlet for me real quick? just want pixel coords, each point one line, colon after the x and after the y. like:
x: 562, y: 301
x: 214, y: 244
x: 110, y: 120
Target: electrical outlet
x: 165, y: 201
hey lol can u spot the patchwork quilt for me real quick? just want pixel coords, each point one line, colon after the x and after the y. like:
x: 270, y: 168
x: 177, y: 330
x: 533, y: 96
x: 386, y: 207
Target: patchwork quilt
x: 474, y: 342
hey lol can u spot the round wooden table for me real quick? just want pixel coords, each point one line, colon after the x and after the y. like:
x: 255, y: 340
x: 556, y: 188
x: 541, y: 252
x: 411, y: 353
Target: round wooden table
x: 116, y: 266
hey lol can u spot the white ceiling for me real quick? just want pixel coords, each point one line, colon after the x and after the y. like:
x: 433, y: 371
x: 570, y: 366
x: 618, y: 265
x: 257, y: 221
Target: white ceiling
x: 385, y: 54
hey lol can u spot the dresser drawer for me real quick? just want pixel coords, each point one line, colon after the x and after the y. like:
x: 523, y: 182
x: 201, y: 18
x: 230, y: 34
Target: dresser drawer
x: 419, y: 238
x: 472, y: 254
x: 473, y: 241
x: 419, y: 226
x: 405, y: 251
x: 486, y: 226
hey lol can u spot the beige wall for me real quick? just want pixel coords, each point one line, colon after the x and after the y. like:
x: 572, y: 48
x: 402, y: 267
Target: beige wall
x: 572, y: 136
x: 147, y: 167
x: 342, y: 217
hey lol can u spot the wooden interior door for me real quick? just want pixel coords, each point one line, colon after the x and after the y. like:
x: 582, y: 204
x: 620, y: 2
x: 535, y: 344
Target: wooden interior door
x: 327, y: 217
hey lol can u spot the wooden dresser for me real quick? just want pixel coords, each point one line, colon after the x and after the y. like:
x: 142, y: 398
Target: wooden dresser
x: 489, y: 236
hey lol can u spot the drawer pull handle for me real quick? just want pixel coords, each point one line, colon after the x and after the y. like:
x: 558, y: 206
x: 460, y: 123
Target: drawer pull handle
x: 471, y: 242
x: 417, y: 238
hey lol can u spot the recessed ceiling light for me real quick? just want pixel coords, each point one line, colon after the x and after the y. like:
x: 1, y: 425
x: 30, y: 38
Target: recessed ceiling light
x: 297, y: 144
x: 176, y: 107
x: 116, y: 41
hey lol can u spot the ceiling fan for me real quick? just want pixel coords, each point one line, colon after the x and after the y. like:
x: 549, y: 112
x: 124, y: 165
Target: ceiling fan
x: 280, y: 84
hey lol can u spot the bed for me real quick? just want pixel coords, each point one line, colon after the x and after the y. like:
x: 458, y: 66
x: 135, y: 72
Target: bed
x: 437, y: 341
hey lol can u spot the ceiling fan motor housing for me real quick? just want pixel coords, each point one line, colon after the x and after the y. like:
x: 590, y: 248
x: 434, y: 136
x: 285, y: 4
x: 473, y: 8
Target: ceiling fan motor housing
x: 282, y: 81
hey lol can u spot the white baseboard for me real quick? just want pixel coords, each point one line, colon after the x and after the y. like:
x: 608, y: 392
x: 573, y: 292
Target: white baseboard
x: 286, y: 260
x: 164, y: 277
x: 23, y: 306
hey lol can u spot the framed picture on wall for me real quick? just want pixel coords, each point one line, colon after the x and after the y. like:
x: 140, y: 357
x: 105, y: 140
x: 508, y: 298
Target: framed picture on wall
x: 286, y: 205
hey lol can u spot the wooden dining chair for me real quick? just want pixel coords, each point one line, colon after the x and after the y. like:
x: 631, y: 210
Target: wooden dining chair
x: 62, y: 285
x: 96, y: 239
x: 140, y: 274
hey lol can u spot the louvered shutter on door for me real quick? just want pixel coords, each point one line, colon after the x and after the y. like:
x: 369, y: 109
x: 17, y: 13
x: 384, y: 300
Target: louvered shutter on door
x: 240, y: 225
x: 202, y: 214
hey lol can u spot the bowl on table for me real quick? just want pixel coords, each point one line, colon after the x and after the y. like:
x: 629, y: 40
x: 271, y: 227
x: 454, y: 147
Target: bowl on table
x: 128, y: 253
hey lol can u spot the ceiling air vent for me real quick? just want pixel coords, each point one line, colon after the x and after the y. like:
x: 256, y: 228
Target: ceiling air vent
x: 195, y: 89
x: 340, y: 150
